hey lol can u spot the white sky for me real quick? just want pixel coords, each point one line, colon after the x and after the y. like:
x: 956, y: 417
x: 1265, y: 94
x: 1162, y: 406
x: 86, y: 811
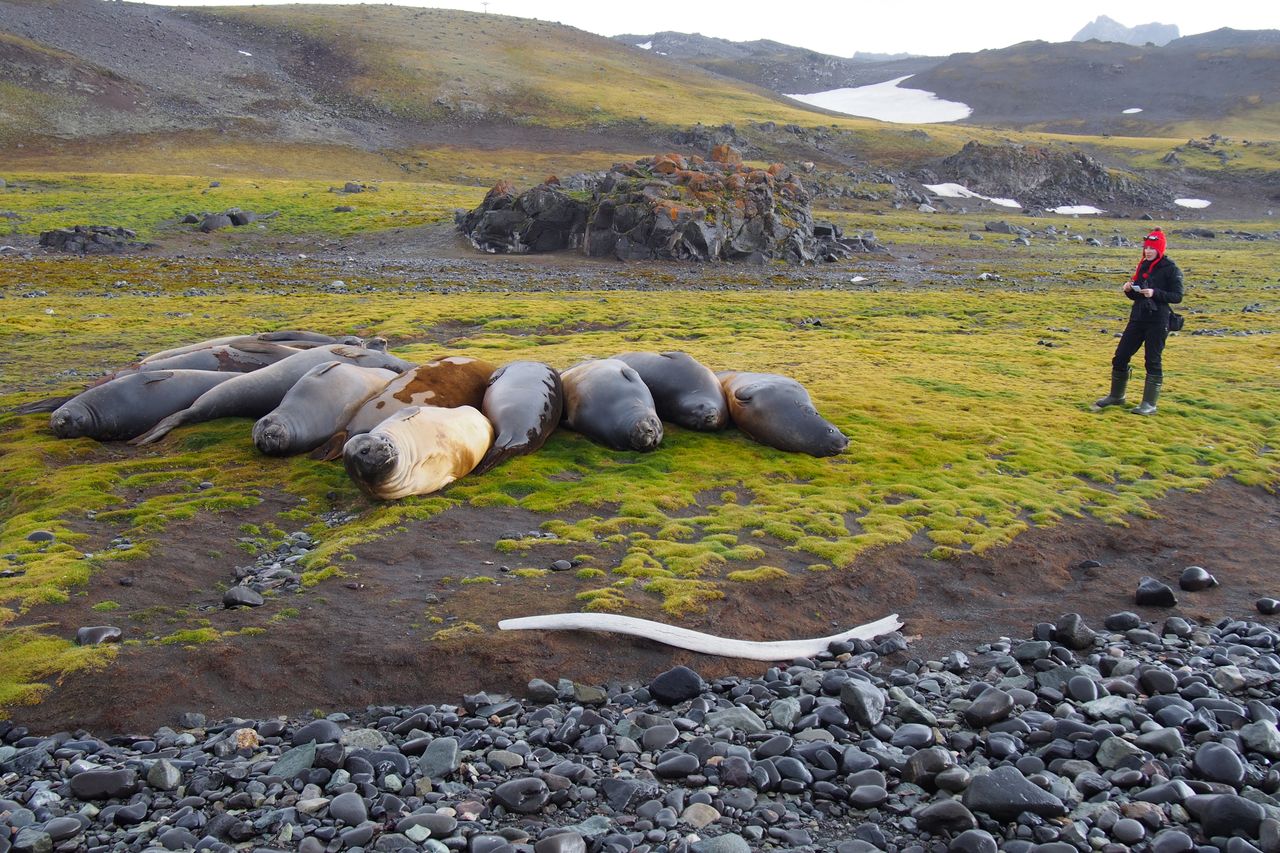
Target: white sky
x: 932, y: 27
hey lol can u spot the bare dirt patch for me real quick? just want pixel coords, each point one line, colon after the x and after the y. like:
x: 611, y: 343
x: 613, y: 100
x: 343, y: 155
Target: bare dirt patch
x: 363, y: 639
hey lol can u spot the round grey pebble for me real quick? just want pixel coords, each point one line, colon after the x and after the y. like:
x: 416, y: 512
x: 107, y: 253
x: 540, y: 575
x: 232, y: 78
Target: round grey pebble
x: 349, y: 808
x: 1128, y: 831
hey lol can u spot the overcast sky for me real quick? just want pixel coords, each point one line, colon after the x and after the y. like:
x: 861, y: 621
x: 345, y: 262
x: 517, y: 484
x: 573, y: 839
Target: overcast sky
x: 935, y: 27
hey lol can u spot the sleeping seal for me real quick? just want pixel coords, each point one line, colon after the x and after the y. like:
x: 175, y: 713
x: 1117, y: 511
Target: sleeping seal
x: 684, y: 390
x: 254, y: 394
x: 776, y: 410
x: 284, y: 337
x: 131, y: 405
x: 524, y: 402
x: 316, y: 407
x: 445, y: 382
x: 417, y: 451
x: 607, y: 402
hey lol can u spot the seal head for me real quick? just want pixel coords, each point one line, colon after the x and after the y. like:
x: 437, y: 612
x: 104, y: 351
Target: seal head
x: 370, y: 457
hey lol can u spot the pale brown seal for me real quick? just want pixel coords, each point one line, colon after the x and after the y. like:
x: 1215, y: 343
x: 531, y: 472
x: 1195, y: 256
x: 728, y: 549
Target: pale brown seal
x: 417, y: 451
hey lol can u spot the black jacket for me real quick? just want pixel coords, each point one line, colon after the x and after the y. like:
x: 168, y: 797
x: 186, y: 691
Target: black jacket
x: 1165, y: 279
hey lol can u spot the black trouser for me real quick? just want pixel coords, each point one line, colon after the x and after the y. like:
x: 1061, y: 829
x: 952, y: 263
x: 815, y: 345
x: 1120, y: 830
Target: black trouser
x: 1148, y: 334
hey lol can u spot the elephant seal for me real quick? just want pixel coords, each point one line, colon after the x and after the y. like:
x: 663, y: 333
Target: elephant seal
x: 444, y: 382
x: 131, y: 405
x: 316, y: 407
x: 684, y: 390
x: 285, y: 337
x: 607, y: 402
x: 237, y: 357
x: 417, y: 451
x: 524, y: 402
x: 254, y: 394
x: 775, y: 410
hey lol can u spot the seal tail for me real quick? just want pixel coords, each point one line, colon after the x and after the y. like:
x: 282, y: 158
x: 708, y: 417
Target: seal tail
x: 161, y: 429
x: 49, y: 404
x: 331, y: 449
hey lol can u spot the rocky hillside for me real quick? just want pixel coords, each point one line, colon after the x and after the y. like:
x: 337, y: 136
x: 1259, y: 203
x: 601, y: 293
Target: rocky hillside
x: 1103, y: 28
x: 776, y: 66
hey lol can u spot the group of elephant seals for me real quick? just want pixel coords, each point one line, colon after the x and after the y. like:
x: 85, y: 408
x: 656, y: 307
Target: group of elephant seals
x: 257, y: 393
x: 417, y: 451
x: 685, y: 391
x: 606, y: 401
x: 524, y: 402
x: 236, y: 357
x: 316, y: 407
x: 129, y: 406
x: 775, y: 410
x: 445, y: 382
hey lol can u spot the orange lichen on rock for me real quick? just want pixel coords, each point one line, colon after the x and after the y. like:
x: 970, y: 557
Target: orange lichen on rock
x: 502, y: 187
x: 551, y: 181
x: 725, y: 153
x: 776, y: 169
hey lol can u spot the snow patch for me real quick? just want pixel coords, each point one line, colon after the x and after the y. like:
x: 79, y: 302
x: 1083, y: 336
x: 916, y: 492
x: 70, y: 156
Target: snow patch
x: 646, y: 46
x: 958, y: 191
x: 1076, y: 210
x: 1192, y: 202
x: 888, y: 101
x: 1132, y: 110
x: 244, y: 53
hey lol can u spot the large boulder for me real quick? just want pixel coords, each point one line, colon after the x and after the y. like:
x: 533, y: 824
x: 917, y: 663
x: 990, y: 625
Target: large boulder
x: 90, y: 239
x: 668, y: 207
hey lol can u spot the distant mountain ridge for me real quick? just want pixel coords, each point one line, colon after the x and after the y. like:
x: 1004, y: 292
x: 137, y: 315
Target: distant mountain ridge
x: 1103, y: 28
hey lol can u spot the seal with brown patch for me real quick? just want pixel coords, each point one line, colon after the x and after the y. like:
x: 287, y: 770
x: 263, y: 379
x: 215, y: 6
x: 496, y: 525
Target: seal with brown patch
x: 524, y: 402
x: 447, y: 382
x: 316, y: 407
x: 606, y: 401
x: 685, y: 391
x: 131, y: 405
x: 775, y: 410
x: 417, y: 451
x: 254, y: 394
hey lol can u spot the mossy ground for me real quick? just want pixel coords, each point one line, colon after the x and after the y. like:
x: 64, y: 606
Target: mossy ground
x: 966, y: 403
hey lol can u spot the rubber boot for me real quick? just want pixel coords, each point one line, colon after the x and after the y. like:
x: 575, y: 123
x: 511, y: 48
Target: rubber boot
x: 1119, y: 379
x: 1150, y: 394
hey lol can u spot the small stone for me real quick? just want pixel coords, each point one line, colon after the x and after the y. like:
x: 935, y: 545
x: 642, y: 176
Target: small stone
x: 1263, y: 737
x: 1114, y: 752
x: 863, y: 700
x: 40, y: 536
x: 699, y: 815
x: 241, y: 596
x: 295, y: 761
x: 1267, y: 606
x: 1128, y: 831
x: 676, y: 685
x: 1005, y: 793
x: 349, y: 808
x: 97, y: 635
x: 561, y: 566
x: 104, y: 784
x: 320, y: 731
x: 1195, y: 579
x: 1124, y: 621
x: 973, y: 841
x: 441, y: 759
x: 991, y: 706
x: 524, y: 796
x: 562, y: 842
x: 1153, y: 593
x: 163, y: 776
x: 1218, y: 763
x: 729, y: 843
x: 946, y: 815
x: 738, y: 718
x: 1225, y: 814
x: 62, y: 828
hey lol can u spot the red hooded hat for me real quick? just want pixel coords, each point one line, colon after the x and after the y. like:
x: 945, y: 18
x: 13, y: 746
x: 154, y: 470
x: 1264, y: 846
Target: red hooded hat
x: 1156, y: 241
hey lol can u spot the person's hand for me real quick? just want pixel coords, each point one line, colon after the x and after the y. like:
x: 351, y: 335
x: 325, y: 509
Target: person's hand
x: 1146, y: 291
x: 1129, y: 287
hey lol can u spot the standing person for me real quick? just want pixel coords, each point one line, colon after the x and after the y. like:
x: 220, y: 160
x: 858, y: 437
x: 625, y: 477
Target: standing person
x: 1156, y: 284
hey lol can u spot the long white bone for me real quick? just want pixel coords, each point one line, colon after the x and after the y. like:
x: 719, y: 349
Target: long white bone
x: 696, y: 641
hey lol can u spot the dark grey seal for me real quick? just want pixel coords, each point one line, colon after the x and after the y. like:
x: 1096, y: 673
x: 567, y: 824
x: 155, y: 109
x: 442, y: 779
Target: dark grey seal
x: 524, y: 402
x: 775, y: 410
x: 608, y: 403
x: 685, y: 391
x: 318, y: 405
x: 131, y: 405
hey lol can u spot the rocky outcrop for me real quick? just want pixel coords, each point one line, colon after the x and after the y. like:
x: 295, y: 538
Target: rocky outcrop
x: 90, y: 239
x: 1040, y: 176
x: 665, y: 207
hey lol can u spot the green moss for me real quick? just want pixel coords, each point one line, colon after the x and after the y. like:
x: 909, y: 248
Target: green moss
x: 532, y: 573
x: 191, y: 637
x: 453, y: 632
x: 479, y: 579
x: 758, y: 574
x: 106, y: 606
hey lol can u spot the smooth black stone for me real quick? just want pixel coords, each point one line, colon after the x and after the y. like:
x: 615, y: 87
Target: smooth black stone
x: 973, y: 841
x: 1153, y: 593
x: 1219, y: 763
x: 320, y: 731
x: 1072, y: 632
x: 991, y: 706
x: 1005, y: 793
x: 676, y: 685
x: 525, y: 796
x: 1195, y: 578
x: 104, y: 784
x: 1123, y: 621
x: 1225, y: 814
x: 678, y: 765
x: 946, y: 816
x: 1082, y: 688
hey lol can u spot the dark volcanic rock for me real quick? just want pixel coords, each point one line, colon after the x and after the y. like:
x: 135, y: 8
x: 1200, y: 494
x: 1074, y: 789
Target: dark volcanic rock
x: 90, y: 239
x: 666, y: 207
x: 1005, y: 793
x: 1153, y: 593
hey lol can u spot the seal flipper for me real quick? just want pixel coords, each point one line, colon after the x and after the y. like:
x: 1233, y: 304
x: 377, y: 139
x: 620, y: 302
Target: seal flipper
x: 161, y: 429
x: 331, y: 449
x: 49, y: 404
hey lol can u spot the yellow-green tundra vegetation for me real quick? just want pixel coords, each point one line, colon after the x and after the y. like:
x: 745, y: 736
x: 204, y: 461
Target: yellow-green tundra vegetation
x: 966, y: 402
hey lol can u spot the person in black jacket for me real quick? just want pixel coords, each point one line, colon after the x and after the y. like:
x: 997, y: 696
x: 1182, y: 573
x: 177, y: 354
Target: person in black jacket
x: 1156, y: 284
